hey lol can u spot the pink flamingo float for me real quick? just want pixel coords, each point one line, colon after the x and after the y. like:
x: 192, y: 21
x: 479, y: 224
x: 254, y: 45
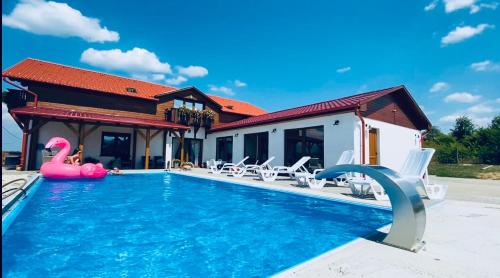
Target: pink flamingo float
x: 57, y: 169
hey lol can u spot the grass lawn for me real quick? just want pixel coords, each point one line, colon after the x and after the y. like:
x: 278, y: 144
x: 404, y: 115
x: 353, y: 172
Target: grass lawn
x: 474, y: 171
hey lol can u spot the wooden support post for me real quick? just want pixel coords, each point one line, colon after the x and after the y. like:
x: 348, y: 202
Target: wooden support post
x: 146, y: 155
x: 81, y: 139
x: 24, y: 148
x: 134, y: 147
x: 182, y: 147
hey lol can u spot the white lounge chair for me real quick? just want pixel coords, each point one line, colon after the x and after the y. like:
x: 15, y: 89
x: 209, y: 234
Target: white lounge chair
x: 226, y: 168
x: 271, y: 174
x: 308, y: 179
x: 414, y: 170
x: 251, y: 168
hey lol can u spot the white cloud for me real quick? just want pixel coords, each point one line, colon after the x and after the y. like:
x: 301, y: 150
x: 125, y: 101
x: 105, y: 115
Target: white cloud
x: 239, y: 83
x: 137, y: 60
x: 431, y: 6
x: 343, y: 70
x: 193, y: 71
x: 56, y: 19
x: 158, y: 76
x: 454, y: 5
x: 480, y: 108
x: 176, y: 80
x: 462, y: 97
x: 463, y: 33
x: 479, y: 121
x: 221, y: 89
x: 486, y: 65
x: 439, y: 87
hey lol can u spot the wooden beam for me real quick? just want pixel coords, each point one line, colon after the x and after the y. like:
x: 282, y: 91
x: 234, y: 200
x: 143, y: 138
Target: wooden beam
x: 24, y: 146
x: 81, y: 139
x: 141, y: 134
x: 39, y: 124
x: 92, y: 129
x: 156, y: 133
x: 182, y: 147
x: 176, y: 135
x: 134, y: 148
x: 146, y: 155
x: 72, y: 128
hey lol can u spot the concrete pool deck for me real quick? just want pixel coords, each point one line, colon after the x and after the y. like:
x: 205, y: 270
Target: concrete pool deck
x: 462, y: 234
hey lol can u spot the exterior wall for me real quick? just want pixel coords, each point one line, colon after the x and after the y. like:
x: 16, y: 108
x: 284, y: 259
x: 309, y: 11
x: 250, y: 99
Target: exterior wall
x: 394, y: 141
x: 337, y: 138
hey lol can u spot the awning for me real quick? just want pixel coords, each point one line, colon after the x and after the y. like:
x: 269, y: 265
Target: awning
x: 82, y: 116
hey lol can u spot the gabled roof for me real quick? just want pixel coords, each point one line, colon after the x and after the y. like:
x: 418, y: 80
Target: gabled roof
x: 325, y: 107
x: 238, y: 107
x: 54, y: 113
x: 56, y: 74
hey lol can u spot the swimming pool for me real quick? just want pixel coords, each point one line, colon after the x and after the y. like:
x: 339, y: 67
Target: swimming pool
x: 165, y: 225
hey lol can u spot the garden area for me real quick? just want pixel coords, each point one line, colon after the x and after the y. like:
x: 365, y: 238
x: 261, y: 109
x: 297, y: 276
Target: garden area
x: 466, y: 151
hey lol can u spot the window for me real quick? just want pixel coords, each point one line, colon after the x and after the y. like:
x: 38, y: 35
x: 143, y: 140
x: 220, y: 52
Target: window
x: 224, y: 148
x: 305, y: 142
x: 178, y: 103
x: 115, y: 144
x: 189, y: 104
x: 256, y: 147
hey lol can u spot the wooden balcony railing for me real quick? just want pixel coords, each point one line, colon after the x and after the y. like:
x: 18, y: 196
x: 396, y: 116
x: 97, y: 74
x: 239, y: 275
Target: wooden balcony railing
x: 173, y: 115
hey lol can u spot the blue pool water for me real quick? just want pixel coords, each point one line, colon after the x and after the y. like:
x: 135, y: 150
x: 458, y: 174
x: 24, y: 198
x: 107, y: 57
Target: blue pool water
x: 166, y: 225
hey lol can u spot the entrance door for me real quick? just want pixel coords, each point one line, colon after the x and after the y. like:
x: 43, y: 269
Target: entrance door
x: 192, y: 150
x: 373, y: 141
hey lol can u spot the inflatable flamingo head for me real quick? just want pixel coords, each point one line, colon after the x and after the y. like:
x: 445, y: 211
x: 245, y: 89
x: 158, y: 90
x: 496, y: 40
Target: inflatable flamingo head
x: 57, y: 142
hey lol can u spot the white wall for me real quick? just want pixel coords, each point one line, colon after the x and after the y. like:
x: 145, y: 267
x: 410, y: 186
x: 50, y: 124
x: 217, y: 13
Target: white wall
x: 394, y: 143
x: 337, y: 138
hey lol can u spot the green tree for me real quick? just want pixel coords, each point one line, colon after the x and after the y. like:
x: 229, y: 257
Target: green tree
x: 463, y: 128
x: 488, y: 142
x: 433, y: 134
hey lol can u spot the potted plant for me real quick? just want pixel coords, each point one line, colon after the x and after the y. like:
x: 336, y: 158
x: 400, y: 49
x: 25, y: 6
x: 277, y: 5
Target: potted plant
x: 208, y: 116
x: 184, y: 114
x: 196, y: 115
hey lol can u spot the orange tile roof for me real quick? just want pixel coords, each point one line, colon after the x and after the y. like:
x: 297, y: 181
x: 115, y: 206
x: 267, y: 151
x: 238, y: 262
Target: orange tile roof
x: 56, y: 74
x: 92, y: 117
x: 51, y: 73
x: 238, y: 107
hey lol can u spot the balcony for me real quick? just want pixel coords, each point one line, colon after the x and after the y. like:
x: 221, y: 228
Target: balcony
x: 175, y: 116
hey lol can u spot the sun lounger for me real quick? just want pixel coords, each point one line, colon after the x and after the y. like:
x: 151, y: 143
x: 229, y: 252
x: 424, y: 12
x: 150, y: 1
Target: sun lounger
x: 414, y: 170
x: 308, y: 179
x: 271, y: 174
x: 250, y: 168
x: 226, y: 168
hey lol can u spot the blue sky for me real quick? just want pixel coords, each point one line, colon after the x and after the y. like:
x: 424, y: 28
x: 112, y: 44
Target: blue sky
x: 275, y: 54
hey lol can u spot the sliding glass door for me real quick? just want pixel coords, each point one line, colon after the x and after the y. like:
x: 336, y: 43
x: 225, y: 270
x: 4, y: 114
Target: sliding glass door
x: 256, y: 147
x: 224, y: 148
x: 193, y: 150
x: 305, y: 142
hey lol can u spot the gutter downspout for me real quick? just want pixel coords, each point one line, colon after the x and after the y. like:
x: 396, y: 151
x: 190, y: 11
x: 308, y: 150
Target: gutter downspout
x: 358, y: 113
x: 23, y: 89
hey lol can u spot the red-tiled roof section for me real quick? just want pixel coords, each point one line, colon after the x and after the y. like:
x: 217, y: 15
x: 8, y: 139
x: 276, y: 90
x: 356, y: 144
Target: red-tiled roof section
x: 56, y: 74
x: 324, y: 107
x: 238, y: 107
x: 92, y: 117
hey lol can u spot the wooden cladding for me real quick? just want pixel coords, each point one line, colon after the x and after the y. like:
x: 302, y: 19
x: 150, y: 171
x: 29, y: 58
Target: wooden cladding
x: 393, y: 109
